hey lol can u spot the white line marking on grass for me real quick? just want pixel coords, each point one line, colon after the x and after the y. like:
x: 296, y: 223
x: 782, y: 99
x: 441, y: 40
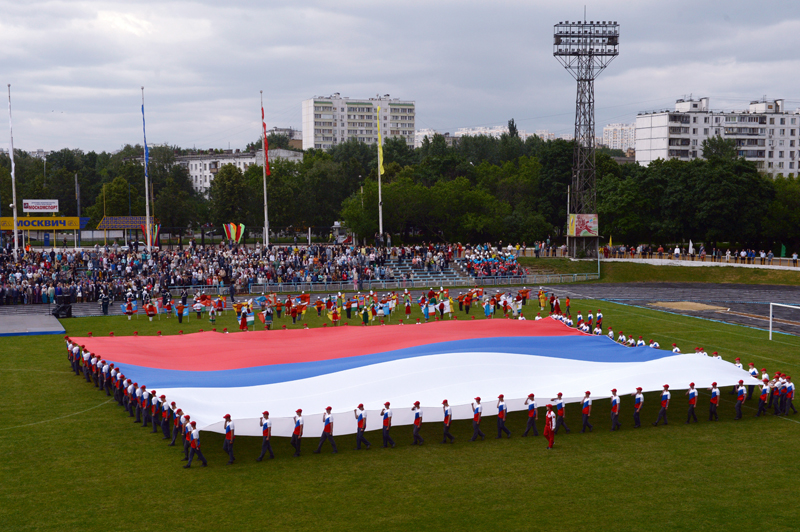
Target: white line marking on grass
x: 26, y: 369
x: 57, y: 418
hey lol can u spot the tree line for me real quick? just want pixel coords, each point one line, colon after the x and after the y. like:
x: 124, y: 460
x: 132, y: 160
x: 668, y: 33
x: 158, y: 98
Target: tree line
x: 478, y: 189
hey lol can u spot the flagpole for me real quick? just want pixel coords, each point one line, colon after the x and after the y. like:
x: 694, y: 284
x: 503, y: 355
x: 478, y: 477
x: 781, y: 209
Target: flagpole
x: 13, y: 178
x: 380, y: 168
x: 264, y: 169
x: 146, y: 183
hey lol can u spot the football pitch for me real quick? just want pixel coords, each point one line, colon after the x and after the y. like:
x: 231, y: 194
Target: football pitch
x: 73, y: 460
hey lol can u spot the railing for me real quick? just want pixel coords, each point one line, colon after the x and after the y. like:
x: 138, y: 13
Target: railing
x: 350, y: 286
x: 685, y: 257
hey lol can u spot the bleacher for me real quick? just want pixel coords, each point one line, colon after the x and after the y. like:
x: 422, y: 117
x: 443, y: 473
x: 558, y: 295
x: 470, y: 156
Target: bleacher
x: 433, y: 278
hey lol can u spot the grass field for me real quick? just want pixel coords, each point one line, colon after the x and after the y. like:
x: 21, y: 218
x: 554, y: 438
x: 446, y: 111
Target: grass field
x: 631, y: 272
x: 72, y: 460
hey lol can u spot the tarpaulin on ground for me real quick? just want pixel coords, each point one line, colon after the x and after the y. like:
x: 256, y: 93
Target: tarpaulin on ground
x: 211, y: 374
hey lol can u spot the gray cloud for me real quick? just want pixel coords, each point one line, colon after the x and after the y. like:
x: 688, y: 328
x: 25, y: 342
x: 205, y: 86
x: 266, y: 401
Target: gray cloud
x: 76, y: 67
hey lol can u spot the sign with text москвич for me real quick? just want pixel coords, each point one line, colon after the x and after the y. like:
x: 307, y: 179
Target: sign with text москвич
x: 40, y: 205
x: 41, y: 223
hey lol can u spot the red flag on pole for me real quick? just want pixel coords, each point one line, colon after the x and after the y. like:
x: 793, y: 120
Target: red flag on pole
x: 266, y: 144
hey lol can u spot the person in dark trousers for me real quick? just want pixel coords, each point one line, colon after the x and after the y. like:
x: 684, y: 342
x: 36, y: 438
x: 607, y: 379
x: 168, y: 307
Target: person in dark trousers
x: 177, y: 425
x: 297, y: 433
x: 266, y: 433
x: 692, y: 393
x: 615, y: 424
x: 361, y: 418
x: 533, y: 415
x: 195, y: 447
x: 448, y: 417
x: 386, y: 415
x: 230, y: 436
x: 638, y: 402
x: 559, y: 414
x: 587, y: 412
x: 327, y: 431
x: 713, y: 403
x: 763, y: 398
x: 502, y: 411
x: 477, y: 412
x: 741, y: 395
x: 662, y: 413
x: 417, y: 424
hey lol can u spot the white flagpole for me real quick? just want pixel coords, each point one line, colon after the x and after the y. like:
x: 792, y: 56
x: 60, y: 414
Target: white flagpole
x: 380, y: 199
x: 13, y: 178
x: 146, y: 183
x: 264, y: 168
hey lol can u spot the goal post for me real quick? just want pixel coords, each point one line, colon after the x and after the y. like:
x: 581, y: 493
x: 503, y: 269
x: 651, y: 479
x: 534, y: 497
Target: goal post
x: 770, y: 314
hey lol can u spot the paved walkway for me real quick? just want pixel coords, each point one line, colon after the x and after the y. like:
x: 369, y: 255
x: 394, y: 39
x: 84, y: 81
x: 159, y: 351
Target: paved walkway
x: 777, y: 264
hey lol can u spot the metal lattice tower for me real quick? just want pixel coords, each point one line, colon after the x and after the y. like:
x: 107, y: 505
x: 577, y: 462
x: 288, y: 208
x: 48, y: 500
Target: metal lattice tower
x: 585, y: 49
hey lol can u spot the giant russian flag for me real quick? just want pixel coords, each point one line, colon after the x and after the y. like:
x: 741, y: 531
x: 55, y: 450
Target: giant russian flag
x: 211, y: 374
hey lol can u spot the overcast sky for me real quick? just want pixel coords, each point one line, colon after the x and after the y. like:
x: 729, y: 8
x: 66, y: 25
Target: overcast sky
x: 76, y: 67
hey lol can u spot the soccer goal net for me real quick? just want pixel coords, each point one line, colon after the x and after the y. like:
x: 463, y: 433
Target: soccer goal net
x: 771, y: 305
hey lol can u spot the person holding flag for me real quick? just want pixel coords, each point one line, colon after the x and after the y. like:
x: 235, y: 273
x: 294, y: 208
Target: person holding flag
x: 692, y: 393
x: 230, y: 435
x: 502, y: 411
x: 448, y: 417
x: 327, y: 431
x: 533, y: 415
x: 361, y: 417
x: 662, y: 413
x: 741, y: 395
x: 615, y: 424
x: 638, y: 402
x: 386, y: 414
x: 587, y: 412
x: 195, y: 446
x: 417, y: 424
x: 266, y: 432
x: 712, y: 409
x: 297, y: 433
x: 477, y: 412
x: 560, y: 414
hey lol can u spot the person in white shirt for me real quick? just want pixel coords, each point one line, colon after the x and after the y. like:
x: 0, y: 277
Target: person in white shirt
x: 753, y: 373
x: 417, y: 411
x: 477, y: 413
x: 631, y: 342
x: 230, y: 436
x: 266, y: 432
x: 297, y: 433
x: 533, y: 415
x: 640, y: 343
x: 327, y: 431
x: 361, y: 419
x: 195, y: 447
x: 386, y: 414
x: 638, y: 402
x: 654, y: 344
x: 675, y: 349
x: 621, y: 338
x: 611, y: 333
x: 597, y: 331
x: 538, y: 317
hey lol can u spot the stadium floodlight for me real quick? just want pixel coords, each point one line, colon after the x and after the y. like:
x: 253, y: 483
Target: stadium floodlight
x: 585, y: 49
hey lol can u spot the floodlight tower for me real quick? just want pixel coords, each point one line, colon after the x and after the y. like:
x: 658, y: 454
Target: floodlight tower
x: 585, y: 49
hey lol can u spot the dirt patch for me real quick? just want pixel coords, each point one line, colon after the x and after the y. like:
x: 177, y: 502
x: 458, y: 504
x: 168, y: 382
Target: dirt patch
x: 686, y: 305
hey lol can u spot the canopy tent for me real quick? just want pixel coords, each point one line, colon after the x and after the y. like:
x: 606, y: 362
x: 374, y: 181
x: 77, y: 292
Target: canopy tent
x: 211, y: 374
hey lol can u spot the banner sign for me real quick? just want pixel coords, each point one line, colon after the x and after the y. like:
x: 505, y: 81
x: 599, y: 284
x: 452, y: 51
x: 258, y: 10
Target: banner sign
x: 40, y: 223
x: 40, y: 205
x: 124, y: 222
x: 582, y: 225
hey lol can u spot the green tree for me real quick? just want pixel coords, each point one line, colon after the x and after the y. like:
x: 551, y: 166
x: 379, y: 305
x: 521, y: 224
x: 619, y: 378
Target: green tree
x: 229, y: 197
x: 719, y: 149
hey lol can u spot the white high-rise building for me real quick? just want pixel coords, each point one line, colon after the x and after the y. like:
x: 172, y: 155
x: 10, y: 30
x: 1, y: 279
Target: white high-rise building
x: 765, y: 133
x: 619, y: 136
x: 335, y: 119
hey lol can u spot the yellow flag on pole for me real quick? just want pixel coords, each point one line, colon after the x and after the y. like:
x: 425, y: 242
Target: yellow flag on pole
x: 380, y: 144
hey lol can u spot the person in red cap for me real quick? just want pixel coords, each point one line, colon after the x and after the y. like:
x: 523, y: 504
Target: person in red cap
x: 361, y: 418
x: 692, y: 393
x: 448, y: 418
x: 533, y: 415
x: 738, y: 363
x: 187, y: 437
x: 417, y: 411
x: 713, y: 403
x: 559, y: 406
x: 144, y: 405
x: 327, y: 431
x: 166, y: 410
x: 763, y: 398
x: 615, y: 424
x: 178, y: 420
x: 297, y: 433
x: 586, y: 411
x: 230, y: 436
x: 741, y: 395
x: 502, y: 412
x: 155, y: 409
x: 386, y: 415
x: 549, y: 426
x: 195, y: 446
x: 662, y: 413
x: 753, y: 371
x: 638, y: 402
x: 266, y: 433
x: 789, y: 396
x: 477, y: 413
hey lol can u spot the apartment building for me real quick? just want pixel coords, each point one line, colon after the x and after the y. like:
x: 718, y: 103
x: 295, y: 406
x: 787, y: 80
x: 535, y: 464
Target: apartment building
x: 619, y: 136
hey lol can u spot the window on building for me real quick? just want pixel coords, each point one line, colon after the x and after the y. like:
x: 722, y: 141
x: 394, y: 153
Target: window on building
x: 694, y: 142
x: 694, y: 118
x: 791, y: 165
x: 716, y: 120
x: 705, y: 120
x: 771, y: 154
x: 772, y: 121
x: 780, y: 155
x: 705, y: 131
x: 783, y: 121
x: 782, y: 131
x: 694, y: 131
